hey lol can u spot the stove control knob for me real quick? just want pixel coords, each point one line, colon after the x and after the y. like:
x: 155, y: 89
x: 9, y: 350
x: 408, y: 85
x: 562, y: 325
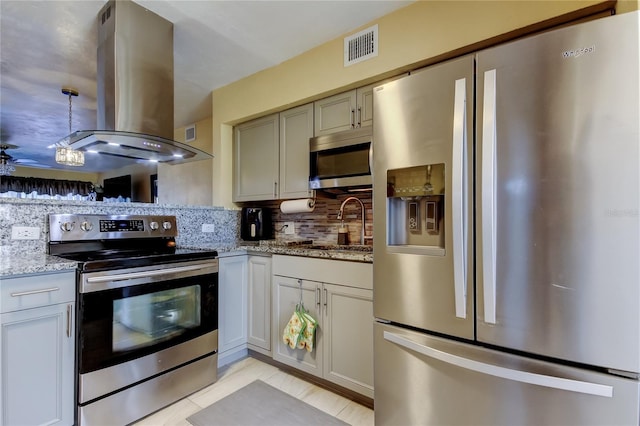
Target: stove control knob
x: 66, y: 226
x: 154, y: 226
x: 166, y: 225
x: 86, y: 226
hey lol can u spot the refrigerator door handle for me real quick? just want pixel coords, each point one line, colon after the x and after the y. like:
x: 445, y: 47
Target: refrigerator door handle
x: 489, y: 196
x: 502, y: 372
x: 458, y: 177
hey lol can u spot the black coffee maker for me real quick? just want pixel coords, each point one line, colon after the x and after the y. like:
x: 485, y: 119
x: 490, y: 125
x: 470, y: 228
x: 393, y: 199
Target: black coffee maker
x: 255, y: 224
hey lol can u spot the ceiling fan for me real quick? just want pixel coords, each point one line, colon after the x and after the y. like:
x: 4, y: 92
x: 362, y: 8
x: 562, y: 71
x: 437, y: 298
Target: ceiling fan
x: 8, y: 162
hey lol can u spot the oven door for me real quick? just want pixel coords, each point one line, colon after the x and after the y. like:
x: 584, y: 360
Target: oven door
x: 138, y: 322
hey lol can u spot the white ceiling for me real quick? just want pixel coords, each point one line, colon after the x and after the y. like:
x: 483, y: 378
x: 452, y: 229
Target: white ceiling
x: 48, y: 44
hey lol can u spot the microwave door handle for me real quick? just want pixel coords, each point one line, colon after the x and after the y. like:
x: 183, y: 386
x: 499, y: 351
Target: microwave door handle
x: 488, y: 187
x: 459, y: 177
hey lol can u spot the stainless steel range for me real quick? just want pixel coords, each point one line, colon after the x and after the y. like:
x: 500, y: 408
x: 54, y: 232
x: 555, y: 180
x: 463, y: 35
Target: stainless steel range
x: 147, y: 314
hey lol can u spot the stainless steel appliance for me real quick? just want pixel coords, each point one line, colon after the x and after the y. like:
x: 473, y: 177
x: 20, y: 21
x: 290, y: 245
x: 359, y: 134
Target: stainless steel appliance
x: 147, y: 314
x: 507, y: 234
x: 135, y: 90
x: 340, y: 159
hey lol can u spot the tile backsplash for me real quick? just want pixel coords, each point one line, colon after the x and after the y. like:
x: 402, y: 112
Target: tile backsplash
x: 322, y: 224
x: 35, y: 213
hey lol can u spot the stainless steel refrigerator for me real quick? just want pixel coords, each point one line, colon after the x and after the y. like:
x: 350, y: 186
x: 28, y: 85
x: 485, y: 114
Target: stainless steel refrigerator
x: 507, y: 234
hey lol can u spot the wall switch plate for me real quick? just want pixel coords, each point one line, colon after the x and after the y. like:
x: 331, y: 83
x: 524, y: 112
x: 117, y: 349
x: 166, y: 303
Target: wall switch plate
x: 25, y: 233
x: 290, y: 228
x: 208, y: 227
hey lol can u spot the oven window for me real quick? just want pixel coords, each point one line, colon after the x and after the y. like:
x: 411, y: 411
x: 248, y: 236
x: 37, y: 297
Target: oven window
x: 151, y: 318
x: 125, y: 323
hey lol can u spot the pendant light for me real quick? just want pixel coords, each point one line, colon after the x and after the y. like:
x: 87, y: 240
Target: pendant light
x: 64, y: 153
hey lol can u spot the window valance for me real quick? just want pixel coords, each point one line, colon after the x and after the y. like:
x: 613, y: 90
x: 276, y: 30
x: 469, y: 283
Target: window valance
x: 44, y: 186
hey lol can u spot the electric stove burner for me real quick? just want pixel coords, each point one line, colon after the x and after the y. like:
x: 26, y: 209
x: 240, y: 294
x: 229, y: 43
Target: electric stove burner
x: 104, y: 242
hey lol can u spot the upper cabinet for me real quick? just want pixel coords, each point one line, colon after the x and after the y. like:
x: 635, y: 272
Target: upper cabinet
x: 344, y: 111
x: 296, y: 128
x: 271, y: 156
x: 255, y: 158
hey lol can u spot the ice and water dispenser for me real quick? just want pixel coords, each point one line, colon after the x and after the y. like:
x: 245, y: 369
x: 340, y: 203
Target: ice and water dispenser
x: 416, y: 208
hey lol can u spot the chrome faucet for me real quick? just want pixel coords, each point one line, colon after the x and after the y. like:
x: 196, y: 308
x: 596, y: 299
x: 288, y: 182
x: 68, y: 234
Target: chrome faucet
x: 341, y: 212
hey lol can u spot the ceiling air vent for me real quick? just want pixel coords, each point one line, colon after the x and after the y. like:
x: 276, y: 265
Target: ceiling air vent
x: 361, y: 46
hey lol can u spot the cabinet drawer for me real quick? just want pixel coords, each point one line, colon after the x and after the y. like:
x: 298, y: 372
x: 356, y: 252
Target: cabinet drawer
x: 353, y: 274
x: 32, y: 291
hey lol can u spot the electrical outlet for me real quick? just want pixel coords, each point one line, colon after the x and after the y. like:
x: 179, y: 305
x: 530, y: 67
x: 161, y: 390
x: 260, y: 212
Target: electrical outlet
x: 25, y: 233
x: 208, y: 227
x: 290, y: 228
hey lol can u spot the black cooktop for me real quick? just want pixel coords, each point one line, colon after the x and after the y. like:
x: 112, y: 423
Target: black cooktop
x: 121, y: 254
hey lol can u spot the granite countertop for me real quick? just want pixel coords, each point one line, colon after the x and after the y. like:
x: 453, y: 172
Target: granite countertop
x: 21, y: 263
x: 352, y: 253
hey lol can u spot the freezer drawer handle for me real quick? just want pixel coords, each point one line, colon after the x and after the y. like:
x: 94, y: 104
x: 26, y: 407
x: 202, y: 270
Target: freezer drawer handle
x: 489, y: 197
x: 502, y: 372
x: 458, y: 198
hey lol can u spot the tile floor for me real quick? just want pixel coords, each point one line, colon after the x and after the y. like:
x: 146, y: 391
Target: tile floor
x: 241, y: 373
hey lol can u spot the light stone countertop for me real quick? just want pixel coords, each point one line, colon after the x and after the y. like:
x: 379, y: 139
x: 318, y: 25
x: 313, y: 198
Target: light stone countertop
x: 25, y: 263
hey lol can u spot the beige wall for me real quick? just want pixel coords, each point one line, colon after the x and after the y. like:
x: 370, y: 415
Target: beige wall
x: 55, y: 174
x: 190, y: 183
x: 414, y: 36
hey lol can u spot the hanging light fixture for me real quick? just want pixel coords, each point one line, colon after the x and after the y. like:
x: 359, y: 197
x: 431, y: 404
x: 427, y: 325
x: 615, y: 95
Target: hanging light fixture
x: 6, y: 168
x: 64, y: 153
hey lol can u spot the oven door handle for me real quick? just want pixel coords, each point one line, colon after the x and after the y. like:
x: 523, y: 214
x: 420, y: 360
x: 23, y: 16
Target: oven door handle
x: 144, y: 274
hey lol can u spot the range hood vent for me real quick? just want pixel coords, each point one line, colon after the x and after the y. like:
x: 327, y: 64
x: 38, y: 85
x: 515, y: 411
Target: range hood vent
x: 135, y: 89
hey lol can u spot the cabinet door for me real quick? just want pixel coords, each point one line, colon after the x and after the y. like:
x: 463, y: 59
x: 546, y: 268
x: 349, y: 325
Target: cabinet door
x: 296, y: 127
x: 255, y: 154
x: 364, y: 116
x: 286, y: 295
x: 335, y: 113
x: 38, y: 366
x: 232, y: 304
x: 259, y: 322
x: 348, y: 337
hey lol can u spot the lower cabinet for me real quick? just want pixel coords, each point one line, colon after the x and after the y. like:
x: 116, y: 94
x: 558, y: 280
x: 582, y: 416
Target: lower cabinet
x: 37, y: 336
x: 259, y: 319
x: 244, y: 306
x: 232, y: 308
x: 343, y: 352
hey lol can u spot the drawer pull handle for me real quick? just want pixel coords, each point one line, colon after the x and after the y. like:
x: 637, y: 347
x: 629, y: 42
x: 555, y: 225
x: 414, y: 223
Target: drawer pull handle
x: 27, y: 293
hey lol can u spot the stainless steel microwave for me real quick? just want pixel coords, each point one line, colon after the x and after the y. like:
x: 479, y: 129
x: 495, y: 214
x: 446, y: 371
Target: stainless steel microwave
x: 340, y: 160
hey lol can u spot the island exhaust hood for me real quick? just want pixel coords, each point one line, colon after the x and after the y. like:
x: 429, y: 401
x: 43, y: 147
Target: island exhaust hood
x: 135, y: 89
